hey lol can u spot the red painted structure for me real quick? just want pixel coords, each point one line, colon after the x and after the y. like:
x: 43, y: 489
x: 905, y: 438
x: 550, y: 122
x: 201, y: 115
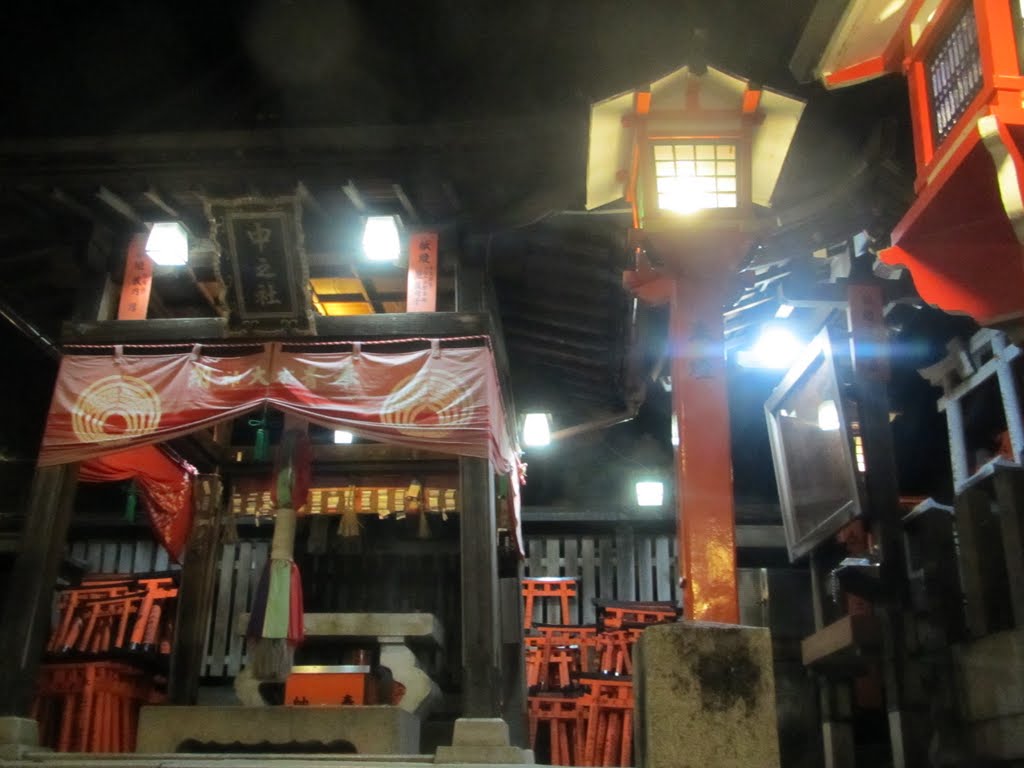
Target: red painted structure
x: 962, y: 237
x: 693, y: 155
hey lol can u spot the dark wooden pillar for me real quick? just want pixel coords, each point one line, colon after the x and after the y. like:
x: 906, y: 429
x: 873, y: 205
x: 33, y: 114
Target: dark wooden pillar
x: 481, y: 659
x: 906, y: 711
x: 27, y: 606
x: 195, y: 597
x: 835, y: 701
x: 513, y: 661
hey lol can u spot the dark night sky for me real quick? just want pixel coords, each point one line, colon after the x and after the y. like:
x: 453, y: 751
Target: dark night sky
x: 145, y: 65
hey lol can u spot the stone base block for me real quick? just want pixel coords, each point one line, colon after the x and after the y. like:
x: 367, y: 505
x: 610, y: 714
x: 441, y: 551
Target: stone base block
x: 370, y: 730
x: 18, y: 735
x: 482, y: 740
x: 705, y: 696
x: 990, y: 688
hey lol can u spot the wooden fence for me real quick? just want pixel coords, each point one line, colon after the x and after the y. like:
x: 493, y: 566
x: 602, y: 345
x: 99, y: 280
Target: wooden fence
x: 620, y: 566
x: 122, y: 556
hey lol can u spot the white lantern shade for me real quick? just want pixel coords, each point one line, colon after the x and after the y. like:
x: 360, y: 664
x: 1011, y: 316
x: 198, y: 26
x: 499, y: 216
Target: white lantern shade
x: 650, y: 493
x: 167, y: 244
x: 381, y: 242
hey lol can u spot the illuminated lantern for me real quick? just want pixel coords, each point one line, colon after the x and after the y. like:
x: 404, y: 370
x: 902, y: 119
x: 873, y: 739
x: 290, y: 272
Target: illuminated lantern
x: 962, y: 237
x: 695, y: 156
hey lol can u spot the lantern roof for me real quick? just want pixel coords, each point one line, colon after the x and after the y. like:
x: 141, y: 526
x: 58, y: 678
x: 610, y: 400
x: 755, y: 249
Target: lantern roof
x: 847, y: 42
x: 720, y: 93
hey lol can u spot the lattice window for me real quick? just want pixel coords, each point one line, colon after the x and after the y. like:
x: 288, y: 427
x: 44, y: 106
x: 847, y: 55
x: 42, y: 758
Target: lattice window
x: 691, y: 175
x: 1017, y: 11
x: 954, y: 74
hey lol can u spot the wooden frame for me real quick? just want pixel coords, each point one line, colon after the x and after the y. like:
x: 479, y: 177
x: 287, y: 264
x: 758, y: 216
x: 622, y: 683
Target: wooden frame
x: 821, y: 352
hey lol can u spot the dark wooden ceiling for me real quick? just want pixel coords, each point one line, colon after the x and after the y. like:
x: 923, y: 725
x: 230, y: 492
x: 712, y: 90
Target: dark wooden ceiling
x: 474, y: 113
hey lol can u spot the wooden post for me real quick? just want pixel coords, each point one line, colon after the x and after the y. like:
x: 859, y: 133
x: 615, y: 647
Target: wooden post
x: 195, y: 597
x: 834, y: 698
x: 706, y: 524
x: 871, y: 371
x: 513, y: 662
x: 27, y: 607
x: 481, y: 665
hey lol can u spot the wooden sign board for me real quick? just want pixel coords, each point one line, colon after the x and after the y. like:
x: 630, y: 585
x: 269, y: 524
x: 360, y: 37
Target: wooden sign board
x: 138, y: 281
x: 421, y: 292
x: 263, y: 263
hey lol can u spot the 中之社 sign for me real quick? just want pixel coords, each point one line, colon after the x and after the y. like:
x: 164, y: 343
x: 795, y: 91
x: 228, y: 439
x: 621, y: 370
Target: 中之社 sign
x: 263, y: 262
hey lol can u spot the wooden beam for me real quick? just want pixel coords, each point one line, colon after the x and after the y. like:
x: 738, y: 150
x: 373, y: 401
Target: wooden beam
x: 587, y: 362
x: 373, y: 297
x: 600, y: 377
x: 354, y: 454
x: 532, y: 303
x: 157, y: 199
x: 407, y: 206
x: 354, y: 197
x: 481, y: 656
x: 119, y: 205
x: 188, y: 330
x: 184, y: 330
x: 842, y: 644
x: 397, y: 325
x: 526, y: 335
x: 29, y: 601
x: 556, y: 324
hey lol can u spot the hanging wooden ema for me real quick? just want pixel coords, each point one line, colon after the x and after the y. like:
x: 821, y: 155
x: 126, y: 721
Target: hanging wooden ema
x: 138, y: 281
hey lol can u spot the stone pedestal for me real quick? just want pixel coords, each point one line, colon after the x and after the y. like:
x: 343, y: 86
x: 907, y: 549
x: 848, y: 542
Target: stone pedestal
x: 370, y: 730
x: 705, y: 696
x: 397, y: 635
x: 482, y: 740
x: 18, y: 735
x: 989, y: 675
x: 421, y: 692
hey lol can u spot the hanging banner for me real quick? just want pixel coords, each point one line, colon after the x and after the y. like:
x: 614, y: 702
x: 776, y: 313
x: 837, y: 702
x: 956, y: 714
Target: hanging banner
x: 138, y: 281
x: 421, y: 290
x: 165, y: 486
x: 440, y: 399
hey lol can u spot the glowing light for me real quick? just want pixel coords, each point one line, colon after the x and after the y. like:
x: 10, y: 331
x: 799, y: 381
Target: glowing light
x: 536, y: 430
x: 681, y: 195
x: 775, y: 348
x: 691, y: 176
x: 675, y: 431
x: 167, y: 244
x: 650, y: 493
x: 343, y: 437
x: 784, y: 311
x: 380, y: 239
x: 828, y: 416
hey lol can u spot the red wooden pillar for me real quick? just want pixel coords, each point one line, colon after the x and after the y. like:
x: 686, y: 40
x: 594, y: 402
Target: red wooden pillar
x: 695, y: 280
x: 706, y: 524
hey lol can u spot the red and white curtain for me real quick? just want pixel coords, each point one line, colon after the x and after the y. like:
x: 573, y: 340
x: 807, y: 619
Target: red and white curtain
x: 439, y: 398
